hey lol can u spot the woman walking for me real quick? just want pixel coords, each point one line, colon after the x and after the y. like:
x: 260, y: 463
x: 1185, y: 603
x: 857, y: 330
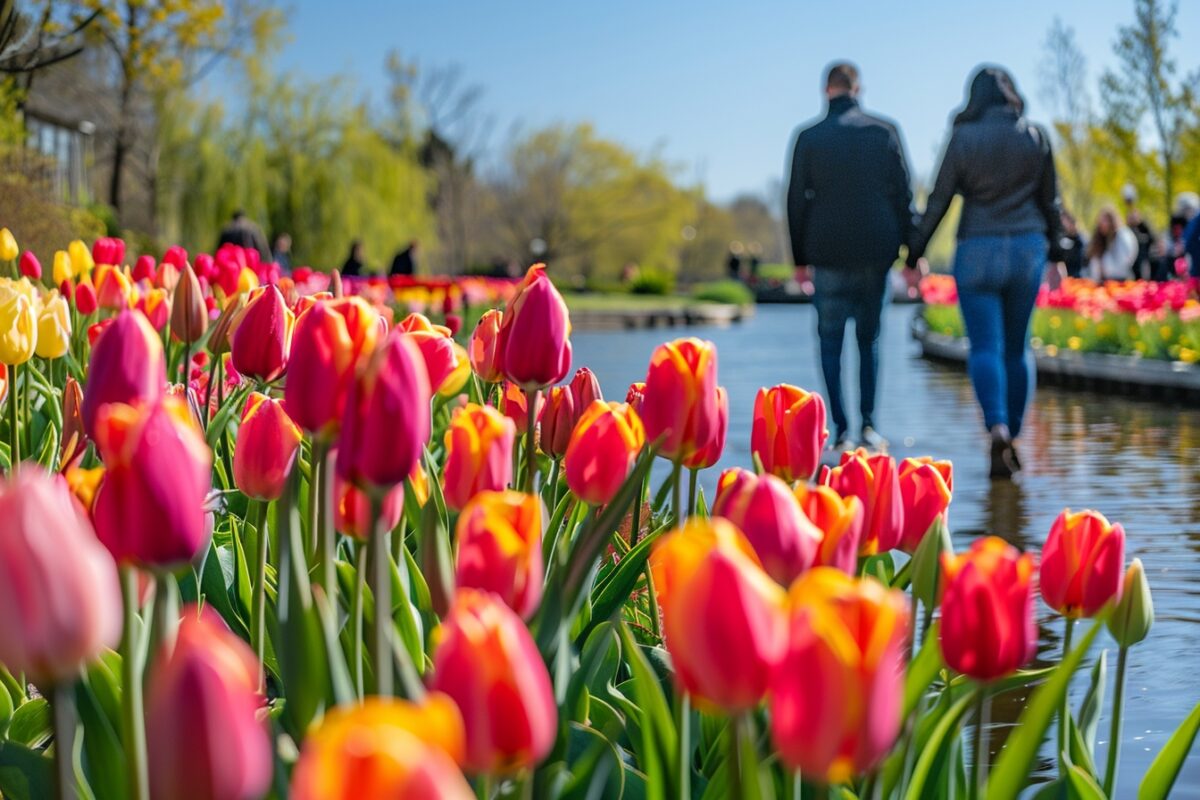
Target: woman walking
x: 1113, y: 249
x: 1002, y: 166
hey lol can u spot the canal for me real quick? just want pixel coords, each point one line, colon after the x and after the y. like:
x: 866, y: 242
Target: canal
x: 1135, y: 461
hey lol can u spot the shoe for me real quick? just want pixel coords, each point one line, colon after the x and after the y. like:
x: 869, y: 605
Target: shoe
x: 1004, y: 463
x: 842, y: 443
x: 873, y: 440
x: 1015, y: 459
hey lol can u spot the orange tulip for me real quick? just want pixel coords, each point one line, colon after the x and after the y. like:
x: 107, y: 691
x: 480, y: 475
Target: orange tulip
x: 262, y: 337
x: 500, y: 548
x: 603, y: 448
x: 508, y: 708
x: 482, y: 347
x: 681, y: 404
x: 384, y: 748
x: 925, y: 487
x: 789, y: 431
x: 515, y: 405
x: 126, y: 366
x: 837, y: 694
x: 873, y: 480
x: 723, y: 617
x: 114, y: 288
x: 765, y: 510
x: 155, y: 306
x: 479, y: 444
x: 556, y: 421
x: 636, y: 395
x: 987, y: 628
x: 1083, y: 563
x: 840, y: 520
x: 265, y: 449
x: 532, y: 346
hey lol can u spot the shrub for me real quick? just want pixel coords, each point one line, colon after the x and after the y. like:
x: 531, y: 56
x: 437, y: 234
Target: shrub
x: 727, y: 291
x: 652, y: 281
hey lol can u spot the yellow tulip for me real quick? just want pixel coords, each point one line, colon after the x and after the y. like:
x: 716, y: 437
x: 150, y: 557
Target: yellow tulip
x: 63, y: 270
x: 18, y: 325
x: 81, y: 258
x: 8, y: 246
x: 54, y: 326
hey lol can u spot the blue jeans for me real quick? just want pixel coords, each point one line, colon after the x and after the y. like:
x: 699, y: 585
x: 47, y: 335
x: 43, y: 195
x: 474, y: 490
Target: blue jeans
x: 842, y: 294
x: 998, y: 279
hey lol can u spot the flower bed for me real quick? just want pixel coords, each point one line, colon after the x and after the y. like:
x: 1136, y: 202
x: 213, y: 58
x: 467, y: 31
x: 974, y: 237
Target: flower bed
x: 211, y: 495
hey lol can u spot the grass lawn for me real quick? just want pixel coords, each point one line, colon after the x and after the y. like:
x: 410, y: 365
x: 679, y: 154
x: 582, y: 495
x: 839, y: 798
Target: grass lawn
x: 619, y: 302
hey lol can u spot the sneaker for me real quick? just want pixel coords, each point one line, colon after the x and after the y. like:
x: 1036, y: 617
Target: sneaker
x: 1004, y: 463
x: 1012, y: 448
x: 842, y: 443
x: 873, y: 440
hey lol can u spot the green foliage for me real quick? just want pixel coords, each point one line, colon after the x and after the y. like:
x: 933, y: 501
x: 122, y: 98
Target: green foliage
x: 727, y: 291
x: 652, y: 281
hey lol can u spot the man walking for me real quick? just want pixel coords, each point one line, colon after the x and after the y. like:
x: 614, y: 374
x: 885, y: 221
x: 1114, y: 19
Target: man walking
x: 849, y: 210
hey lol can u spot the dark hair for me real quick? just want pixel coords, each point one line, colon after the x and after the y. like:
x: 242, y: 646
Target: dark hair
x: 238, y: 213
x: 842, y: 75
x: 354, y: 245
x: 991, y: 87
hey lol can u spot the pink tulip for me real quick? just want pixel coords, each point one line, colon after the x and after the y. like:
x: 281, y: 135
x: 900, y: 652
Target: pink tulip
x: 767, y: 512
x: 127, y: 366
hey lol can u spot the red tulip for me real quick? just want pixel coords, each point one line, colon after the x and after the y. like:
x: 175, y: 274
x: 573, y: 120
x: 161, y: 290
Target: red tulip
x: 352, y: 509
x: 636, y: 395
x: 479, y: 445
x: 59, y: 594
x: 925, y: 487
x: 723, y: 617
x: 386, y: 422
x: 144, y: 268
x: 482, y: 347
x: 840, y: 520
x: 556, y: 421
x: 987, y: 629
x: 85, y: 299
x: 837, y: 694
x: 206, y: 738
x: 265, y: 449
x: 873, y: 480
x: 150, y: 508
x: 602, y: 451
x: 263, y: 337
x: 30, y: 266
x: 765, y: 510
x: 789, y: 431
x: 508, y: 709
x: 438, y: 353
x: 532, y: 345
x: 709, y: 453
x: 127, y: 366
x: 1083, y: 564
x: 681, y: 404
x: 515, y: 406
x: 500, y: 548
x: 109, y: 250
x: 176, y: 256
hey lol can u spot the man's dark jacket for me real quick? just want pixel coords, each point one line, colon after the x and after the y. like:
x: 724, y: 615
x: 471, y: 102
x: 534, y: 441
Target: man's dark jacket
x: 849, y: 203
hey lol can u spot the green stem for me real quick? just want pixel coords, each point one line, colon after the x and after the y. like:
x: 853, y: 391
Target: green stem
x: 483, y: 787
x: 1064, y: 711
x: 14, y: 437
x: 65, y: 722
x: 692, y: 477
x: 677, y: 494
x: 793, y: 786
x: 555, y: 467
x: 982, y: 709
x: 258, y: 623
x: 133, y: 720
x: 165, y: 616
x: 381, y: 591
x: 531, y: 399
x: 314, y: 505
x: 635, y: 528
x: 27, y: 418
x: 356, y: 614
x: 652, y: 601
x: 682, y: 720
x: 1114, y: 736
x: 186, y: 369
x: 215, y: 368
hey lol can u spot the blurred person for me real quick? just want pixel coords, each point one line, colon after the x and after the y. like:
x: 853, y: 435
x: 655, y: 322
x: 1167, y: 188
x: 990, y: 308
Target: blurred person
x: 1113, y: 248
x: 1002, y: 165
x: 354, y: 265
x: 1072, y: 244
x: 405, y: 262
x: 849, y: 209
x: 733, y: 265
x: 243, y: 232
x: 282, y: 253
x: 755, y: 260
x: 1188, y: 206
x: 1142, y: 268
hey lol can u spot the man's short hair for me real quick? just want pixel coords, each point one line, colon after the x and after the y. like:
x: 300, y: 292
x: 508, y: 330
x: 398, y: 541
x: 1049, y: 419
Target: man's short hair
x: 842, y: 76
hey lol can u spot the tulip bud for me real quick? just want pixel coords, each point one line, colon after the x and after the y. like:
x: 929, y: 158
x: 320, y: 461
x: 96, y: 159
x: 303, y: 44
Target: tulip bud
x: 479, y: 444
x: 18, y: 322
x: 30, y: 266
x: 789, y: 431
x: 206, y: 739
x: 585, y: 388
x: 840, y: 521
x: 837, y: 694
x: 352, y: 509
x: 1134, y: 614
x: 387, y: 418
x: 266, y: 447
x: 74, y: 440
x: 766, y: 511
x: 723, y: 617
x: 987, y: 629
x: 126, y: 366
x: 176, y: 256
x: 556, y: 421
x: 873, y: 480
x: 500, y: 548
x: 109, y: 250
x: 150, y: 507
x: 155, y: 307
x: 189, y: 316
x: 1082, y: 561
x: 262, y: 337
x: 85, y: 299
x: 384, y: 748
x: 681, y: 404
x: 54, y: 327
x: 144, y: 269
x: 927, y: 563
x: 114, y: 289
x: 81, y: 258
x: 508, y: 709
x: 63, y: 269
x: 925, y: 487
x: 709, y: 453
x: 636, y: 395
x: 532, y: 345
x: 218, y: 340
x: 61, y: 600
x: 603, y: 448
x: 335, y: 284
x: 8, y: 245
x: 482, y: 347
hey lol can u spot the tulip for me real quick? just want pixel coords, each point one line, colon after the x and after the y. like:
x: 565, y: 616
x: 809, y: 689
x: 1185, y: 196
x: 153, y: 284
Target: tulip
x: 516, y: 406
x: 556, y: 421
x: 74, y: 440
x: 840, y: 521
x: 499, y: 538
x: 155, y: 306
x: 109, y: 250
x: 59, y: 594
x: 189, y: 317
x: 263, y: 336
x: 532, y: 345
x: 384, y: 748
x: 987, y: 629
x: 84, y: 483
x: 438, y: 353
x: 456, y: 381
x: 508, y: 709
x: 18, y: 322
x: 81, y: 258
x: 681, y: 405
x: 352, y: 509
x: 925, y: 487
x: 206, y: 738
x: 723, y: 617
x: 709, y: 453
x: 126, y: 366
x: 114, y: 289
x: 1082, y: 564
x: 144, y: 269
x: 789, y: 431
x: 63, y: 269
x: 386, y: 422
x: 54, y: 327
x: 176, y: 256
x: 636, y: 395
x: 265, y: 449
x: 8, y: 246
x: 4, y: 381
x: 767, y: 512
x: 85, y: 299
x: 602, y: 451
x: 218, y: 340
x: 873, y: 480
x: 1134, y: 613
x: 150, y: 507
x: 30, y: 266
x: 837, y: 694
x: 330, y: 341
x: 479, y: 446
x: 585, y: 388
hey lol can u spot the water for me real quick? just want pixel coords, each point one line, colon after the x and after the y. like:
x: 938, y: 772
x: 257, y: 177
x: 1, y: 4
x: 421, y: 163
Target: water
x: 1136, y: 462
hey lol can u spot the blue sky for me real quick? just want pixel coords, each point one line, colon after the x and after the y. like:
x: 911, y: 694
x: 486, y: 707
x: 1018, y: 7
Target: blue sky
x: 716, y: 87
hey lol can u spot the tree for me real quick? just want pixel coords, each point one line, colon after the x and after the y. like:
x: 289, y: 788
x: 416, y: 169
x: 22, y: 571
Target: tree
x: 1145, y: 85
x: 27, y: 46
x: 1064, y: 89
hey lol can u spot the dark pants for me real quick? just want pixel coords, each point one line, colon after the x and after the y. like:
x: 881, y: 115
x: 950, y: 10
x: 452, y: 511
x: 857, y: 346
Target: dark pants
x: 842, y: 294
x: 998, y: 279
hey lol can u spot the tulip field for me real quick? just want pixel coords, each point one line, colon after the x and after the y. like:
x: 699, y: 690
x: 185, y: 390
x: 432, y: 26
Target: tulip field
x: 294, y: 537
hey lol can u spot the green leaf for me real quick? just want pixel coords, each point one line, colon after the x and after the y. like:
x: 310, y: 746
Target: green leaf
x: 937, y: 746
x: 245, y: 594
x: 224, y: 415
x: 659, y: 749
x: 32, y: 724
x: 595, y: 766
x: 1093, y: 702
x: 614, y: 592
x: 1012, y: 768
x: 1083, y: 786
x: 1165, y: 768
x: 922, y: 670
x: 6, y: 711
x: 437, y: 565
x: 595, y: 649
x: 105, y: 758
x: 24, y: 773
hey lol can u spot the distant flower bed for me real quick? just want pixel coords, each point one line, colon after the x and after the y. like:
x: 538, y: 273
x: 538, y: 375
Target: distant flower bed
x: 1154, y: 320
